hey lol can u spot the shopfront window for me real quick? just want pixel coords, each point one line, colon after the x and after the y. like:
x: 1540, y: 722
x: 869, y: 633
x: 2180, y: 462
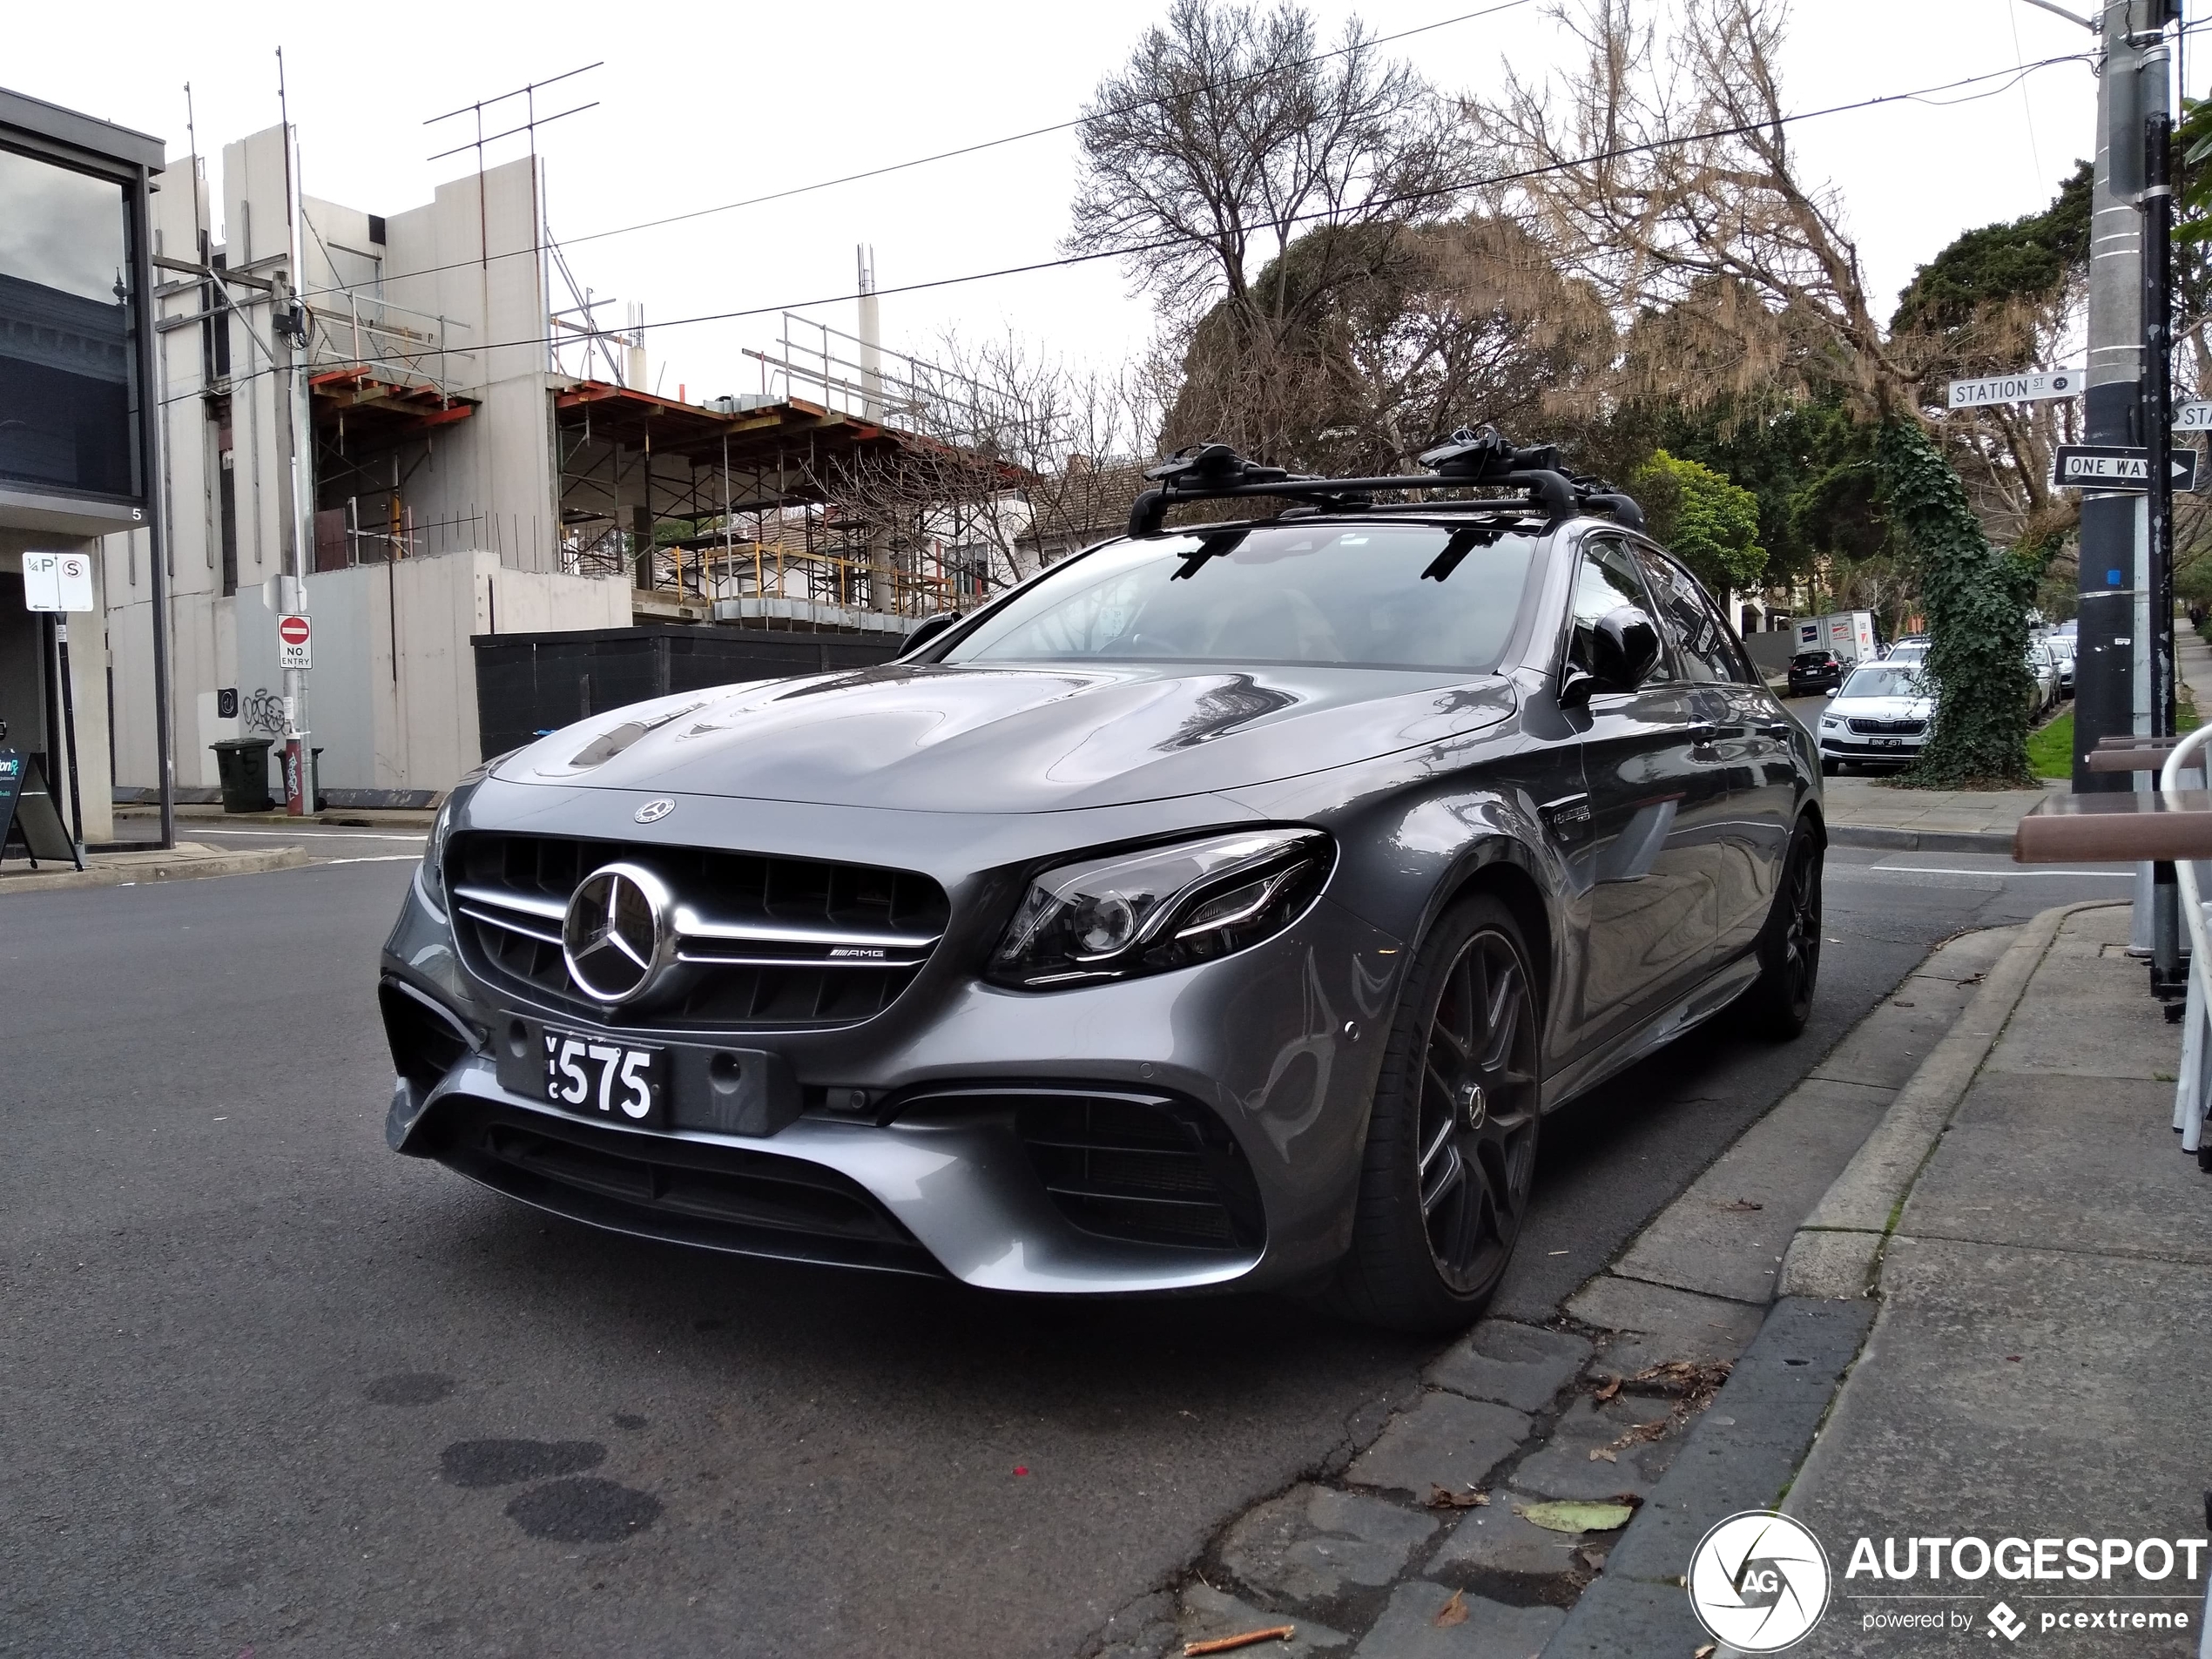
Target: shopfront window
x: 65, y: 342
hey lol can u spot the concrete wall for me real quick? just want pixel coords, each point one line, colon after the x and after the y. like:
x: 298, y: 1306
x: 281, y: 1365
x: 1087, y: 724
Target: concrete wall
x: 392, y: 694
x: 491, y: 474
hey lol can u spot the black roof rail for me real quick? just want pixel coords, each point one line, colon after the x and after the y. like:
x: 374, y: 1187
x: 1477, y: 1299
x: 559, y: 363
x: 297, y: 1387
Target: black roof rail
x: 1482, y: 458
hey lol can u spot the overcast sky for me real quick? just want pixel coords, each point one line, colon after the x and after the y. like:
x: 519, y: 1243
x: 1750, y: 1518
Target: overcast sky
x: 702, y: 105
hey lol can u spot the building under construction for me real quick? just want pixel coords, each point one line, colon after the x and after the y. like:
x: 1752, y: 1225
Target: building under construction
x: 478, y: 454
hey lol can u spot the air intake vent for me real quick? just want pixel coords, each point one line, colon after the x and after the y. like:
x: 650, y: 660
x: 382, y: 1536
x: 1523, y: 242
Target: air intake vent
x: 1141, y: 1167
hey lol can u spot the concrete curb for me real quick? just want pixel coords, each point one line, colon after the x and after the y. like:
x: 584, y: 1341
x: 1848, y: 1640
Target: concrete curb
x: 1905, y: 840
x: 1835, y: 1250
x: 116, y: 875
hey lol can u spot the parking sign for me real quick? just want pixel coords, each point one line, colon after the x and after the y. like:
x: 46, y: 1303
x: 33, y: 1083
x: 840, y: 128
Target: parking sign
x: 57, y: 581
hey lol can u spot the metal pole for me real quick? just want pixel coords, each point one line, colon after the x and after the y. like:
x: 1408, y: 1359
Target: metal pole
x: 151, y: 438
x: 2105, y: 689
x: 69, y: 740
x: 2157, y: 426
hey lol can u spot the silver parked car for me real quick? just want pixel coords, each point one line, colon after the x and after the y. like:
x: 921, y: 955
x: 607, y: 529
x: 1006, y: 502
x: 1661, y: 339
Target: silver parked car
x: 1879, y: 717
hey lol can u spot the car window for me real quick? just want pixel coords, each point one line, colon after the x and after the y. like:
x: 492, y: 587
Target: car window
x: 1359, y: 596
x: 1702, y: 645
x: 1884, y: 679
x: 1605, y: 579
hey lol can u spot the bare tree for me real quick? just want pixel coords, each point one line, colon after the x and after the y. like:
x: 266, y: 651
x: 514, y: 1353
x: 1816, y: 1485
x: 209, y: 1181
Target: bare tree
x: 1011, y: 455
x: 1662, y: 172
x: 1232, y: 131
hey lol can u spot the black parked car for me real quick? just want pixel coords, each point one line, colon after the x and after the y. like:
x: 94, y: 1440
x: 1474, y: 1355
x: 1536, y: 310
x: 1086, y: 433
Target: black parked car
x: 1815, y: 671
x: 1224, y: 907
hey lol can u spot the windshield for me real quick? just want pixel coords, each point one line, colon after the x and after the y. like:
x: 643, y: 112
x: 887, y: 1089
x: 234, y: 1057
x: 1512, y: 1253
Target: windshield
x: 1361, y: 595
x: 1885, y: 681
x: 1911, y: 651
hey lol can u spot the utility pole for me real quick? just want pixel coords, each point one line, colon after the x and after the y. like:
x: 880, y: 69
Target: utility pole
x: 2111, y: 634
x: 295, y: 490
x: 2157, y: 423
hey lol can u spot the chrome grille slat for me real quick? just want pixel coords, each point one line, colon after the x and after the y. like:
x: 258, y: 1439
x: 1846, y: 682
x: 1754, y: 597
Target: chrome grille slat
x: 763, y: 942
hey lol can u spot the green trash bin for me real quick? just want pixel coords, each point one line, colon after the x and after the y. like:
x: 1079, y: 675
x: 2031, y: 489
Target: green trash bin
x: 242, y: 764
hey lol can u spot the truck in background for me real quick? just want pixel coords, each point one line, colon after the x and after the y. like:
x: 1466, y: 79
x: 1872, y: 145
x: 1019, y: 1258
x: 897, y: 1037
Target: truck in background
x: 1848, y: 634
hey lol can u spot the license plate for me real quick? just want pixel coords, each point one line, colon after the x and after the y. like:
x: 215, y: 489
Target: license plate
x: 622, y: 1082
x: 1889, y: 743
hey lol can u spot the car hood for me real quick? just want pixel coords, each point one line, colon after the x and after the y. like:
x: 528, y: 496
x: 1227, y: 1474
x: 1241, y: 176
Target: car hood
x: 975, y: 738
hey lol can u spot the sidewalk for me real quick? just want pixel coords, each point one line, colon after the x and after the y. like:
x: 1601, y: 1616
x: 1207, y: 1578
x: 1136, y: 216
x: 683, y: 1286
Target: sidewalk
x: 186, y: 859
x: 1868, y: 811
x: 2038, y: 1366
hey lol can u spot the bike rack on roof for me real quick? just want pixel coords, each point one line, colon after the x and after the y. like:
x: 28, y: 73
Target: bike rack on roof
x: 1482, y: 458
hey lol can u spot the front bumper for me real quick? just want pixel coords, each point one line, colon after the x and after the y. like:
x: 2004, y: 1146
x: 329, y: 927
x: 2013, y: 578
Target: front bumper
x: 1834, y: 746
x: 908, y: 1142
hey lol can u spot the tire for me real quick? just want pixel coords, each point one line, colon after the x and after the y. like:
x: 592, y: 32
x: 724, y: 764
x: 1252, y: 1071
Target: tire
x: 1779, y: 1003
x: 1451, y: 1153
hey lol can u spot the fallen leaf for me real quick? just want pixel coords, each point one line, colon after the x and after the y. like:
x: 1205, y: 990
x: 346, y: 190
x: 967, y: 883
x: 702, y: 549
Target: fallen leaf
x: 1608, y: 1391
x: 1604, y: 1454
x: 1592, y: 1559
x: 1576, y: 1517
x: 1452, y: 1612
x: 2012, y: 1359
x: 1739, y: 1206
x: 1444, y: 1498
x: 1705, y: 1652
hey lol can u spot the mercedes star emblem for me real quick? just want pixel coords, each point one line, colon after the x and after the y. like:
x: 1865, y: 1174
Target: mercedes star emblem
x: 616, y: 937
x: 653, y: 811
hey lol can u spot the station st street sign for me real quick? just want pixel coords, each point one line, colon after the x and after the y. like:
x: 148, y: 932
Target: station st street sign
x: 2029, y: 386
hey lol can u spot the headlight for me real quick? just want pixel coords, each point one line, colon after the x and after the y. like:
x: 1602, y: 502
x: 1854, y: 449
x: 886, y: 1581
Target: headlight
x: 1162, y: 907
x: 433, y: 874
x: 1827, y: 724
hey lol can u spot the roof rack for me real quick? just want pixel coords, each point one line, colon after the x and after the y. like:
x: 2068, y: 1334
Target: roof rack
x: 1480, y: 459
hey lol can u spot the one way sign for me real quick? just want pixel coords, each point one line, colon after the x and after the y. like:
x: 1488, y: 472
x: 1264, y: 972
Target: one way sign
x: 2112, y: 466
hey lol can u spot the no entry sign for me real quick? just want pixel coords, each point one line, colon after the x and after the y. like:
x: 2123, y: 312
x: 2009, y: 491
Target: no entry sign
x: 294, y: 643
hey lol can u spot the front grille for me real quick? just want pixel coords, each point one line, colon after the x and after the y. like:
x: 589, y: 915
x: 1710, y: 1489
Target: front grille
x: 1887, y: 728
x: 757, y: 1203
x: 1141, y: 1167
x: 764, y: 942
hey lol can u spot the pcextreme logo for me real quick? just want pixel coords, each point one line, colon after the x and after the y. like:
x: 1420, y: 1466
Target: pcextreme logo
x: 1758, y: 1581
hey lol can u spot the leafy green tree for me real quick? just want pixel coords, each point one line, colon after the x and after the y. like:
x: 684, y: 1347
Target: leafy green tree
x: 1710, y: 523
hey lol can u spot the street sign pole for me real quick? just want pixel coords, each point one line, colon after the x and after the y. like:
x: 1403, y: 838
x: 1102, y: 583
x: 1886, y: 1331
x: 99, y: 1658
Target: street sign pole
x: 2104, y: 675
x: 2166, y: 974
x: 68, y: 739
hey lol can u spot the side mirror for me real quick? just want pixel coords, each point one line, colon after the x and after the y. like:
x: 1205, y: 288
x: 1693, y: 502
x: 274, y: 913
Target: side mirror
x: 926, y: 630
x: 1575, y: 684
x: 1831, y: 690
x: 1624, y: 647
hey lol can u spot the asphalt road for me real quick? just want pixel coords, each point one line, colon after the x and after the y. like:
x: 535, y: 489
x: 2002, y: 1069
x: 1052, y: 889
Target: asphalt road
x: 266, y: 1388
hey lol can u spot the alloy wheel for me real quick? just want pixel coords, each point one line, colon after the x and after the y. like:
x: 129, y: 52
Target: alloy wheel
x: 1801, y: 929
x: 1478, y: 1113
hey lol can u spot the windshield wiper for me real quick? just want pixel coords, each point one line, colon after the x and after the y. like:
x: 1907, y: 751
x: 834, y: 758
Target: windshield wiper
x: 1462, y: 543
x: 1212, y: 547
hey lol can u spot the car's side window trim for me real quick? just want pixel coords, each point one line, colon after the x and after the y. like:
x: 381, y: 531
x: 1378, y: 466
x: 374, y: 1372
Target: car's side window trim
x: 1746, y: 672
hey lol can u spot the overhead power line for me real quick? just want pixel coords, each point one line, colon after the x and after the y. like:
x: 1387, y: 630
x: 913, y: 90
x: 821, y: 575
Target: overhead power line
x: 2008, y: 76
x: 942, y: 155
x: 1402, y: 199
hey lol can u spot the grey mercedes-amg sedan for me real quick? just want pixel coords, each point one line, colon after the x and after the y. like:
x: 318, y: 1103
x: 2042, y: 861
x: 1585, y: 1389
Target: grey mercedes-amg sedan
x: 1223, y: 907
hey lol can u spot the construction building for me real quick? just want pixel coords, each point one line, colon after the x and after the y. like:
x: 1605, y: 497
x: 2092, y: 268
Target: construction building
x: 474, y: 459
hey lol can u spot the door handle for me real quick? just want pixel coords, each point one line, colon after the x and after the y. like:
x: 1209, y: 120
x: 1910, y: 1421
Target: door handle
x: 1776, y: 729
